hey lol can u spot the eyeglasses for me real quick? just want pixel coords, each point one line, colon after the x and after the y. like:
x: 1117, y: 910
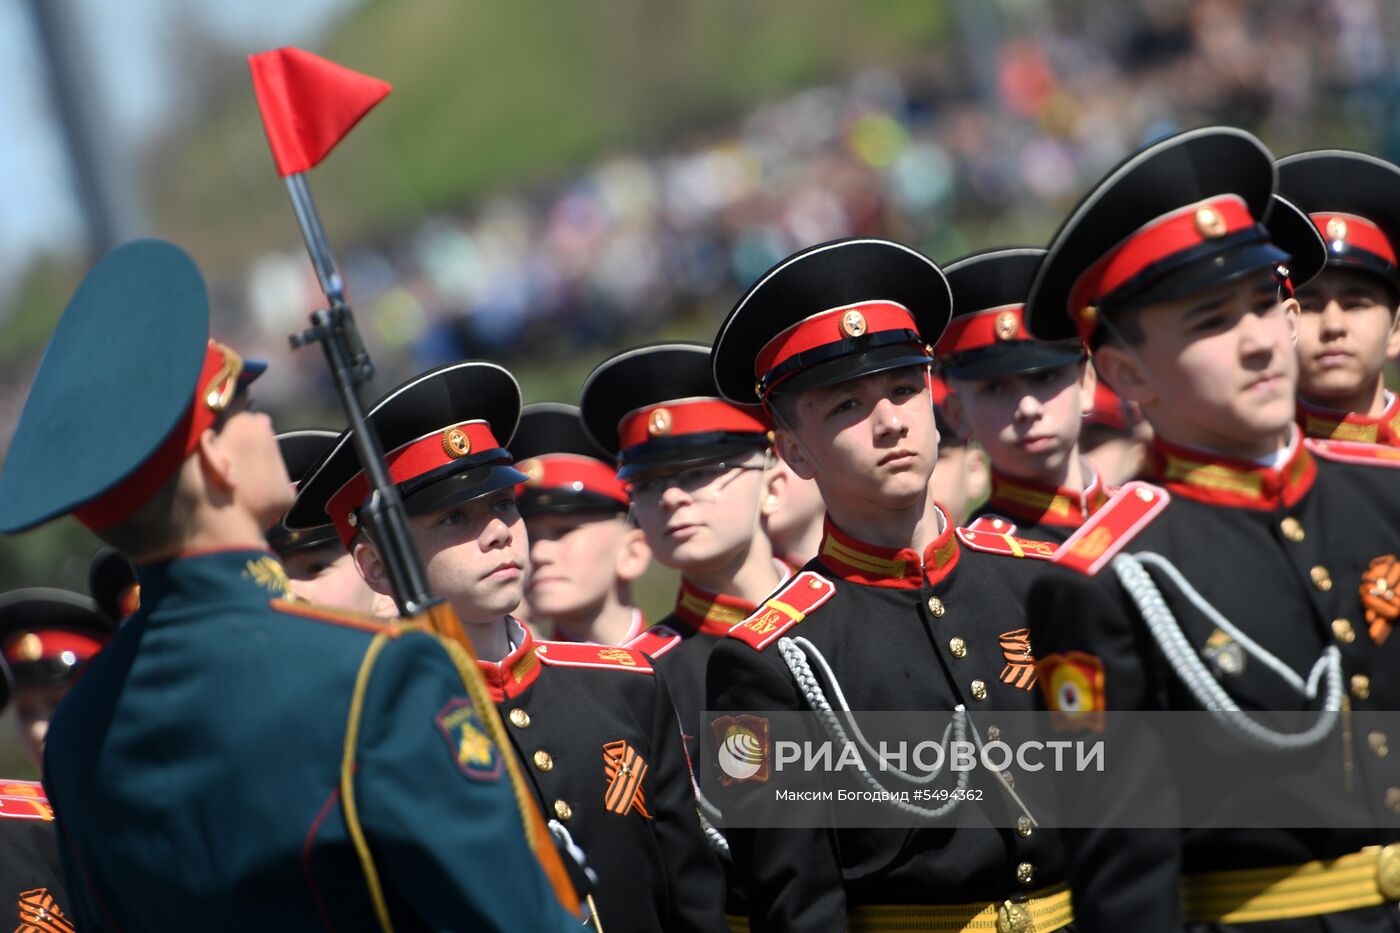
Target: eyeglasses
x: 698, y: 480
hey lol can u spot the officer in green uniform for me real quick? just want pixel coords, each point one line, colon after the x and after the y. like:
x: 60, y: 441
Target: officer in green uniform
x: 232, y: 761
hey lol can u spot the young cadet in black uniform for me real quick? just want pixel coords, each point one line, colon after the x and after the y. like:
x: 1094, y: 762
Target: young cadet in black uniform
x: 1022, y: 399
x: 319, y: 568
x: 585, y: 552
x: 701, y: 474
x: 200, y: 768
x: 1349, y: 326
x: 592, y: 725
x: 1257, y: 542
x: 897, y: 612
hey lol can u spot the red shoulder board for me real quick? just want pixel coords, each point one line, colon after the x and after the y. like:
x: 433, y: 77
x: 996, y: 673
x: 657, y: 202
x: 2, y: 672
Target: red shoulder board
x: 655, y: 641
x: 586, y: 654
x: 355, y: 620
x: 992, y: 523
x: 1093, y: 545
x: 1355, y: 452
x: 802, y: 595
x: 24, y: 800
x: 994, y: 542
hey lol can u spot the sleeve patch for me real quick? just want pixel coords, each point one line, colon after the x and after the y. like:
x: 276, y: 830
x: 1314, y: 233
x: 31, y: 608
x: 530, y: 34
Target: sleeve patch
x: 467, y: 740
x: 655, y: 641
x: 600, y: 657
x: 802, y: 596
x: 1355, y: 452
x: 1096, y: 542
x: 1074, y: 690
x: 996, y: 542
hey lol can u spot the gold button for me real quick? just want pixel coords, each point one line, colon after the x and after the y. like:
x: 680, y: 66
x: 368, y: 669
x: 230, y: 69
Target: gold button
x: 1025, y: 872
x: 519, y: 718
x: 993, y: 733
x: 1023, y: 825
x: 1292, y: 529
x: 1321, y: 578
x: 1361, y: 686
x: 979, y: 690
x: 935, y: 606
x: 1343, y: 630
x: 543, y: 760
x: 1379, y: 746
x: 1392, y: 800
x: 1144, y: 494
x: 563, y: 810
x: 814, y: 584
x: 958, y: 647
x: 1388, y: 872
x: 998, y: 523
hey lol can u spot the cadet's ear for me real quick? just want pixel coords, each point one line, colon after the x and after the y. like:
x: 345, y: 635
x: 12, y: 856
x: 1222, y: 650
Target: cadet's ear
x: 1088, y: 382
x: 1292, y: 311
x: 977, y: 470
x: 1125, y: 373
x: 1392, y: 340
x: 775, y: 488
x: 216, y: 464
x: 633, y: 555
x: 954, y: 413
x: 793, y: 454
x: 371, y: 568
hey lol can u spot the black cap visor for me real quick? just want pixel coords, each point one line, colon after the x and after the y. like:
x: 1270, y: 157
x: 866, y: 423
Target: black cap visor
x: 560, y: 501
x: 688, y: 450
x: 852, y: 366
x: 1007, y: 359
x: 427, y: 495
x: 1194, y: 275
x: 286, y: 540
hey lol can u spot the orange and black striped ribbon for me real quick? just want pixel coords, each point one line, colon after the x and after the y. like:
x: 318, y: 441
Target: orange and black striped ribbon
x: 624, y: 769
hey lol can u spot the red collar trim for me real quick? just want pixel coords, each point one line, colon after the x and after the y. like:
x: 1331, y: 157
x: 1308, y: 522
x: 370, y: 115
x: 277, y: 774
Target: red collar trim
x: 1330, y: 425
x: 983, y: 329
x: 1230, y: 482
x: 1045, y: 505
x: 513, y: 674
x: 710, y: 613
x: 1355, y: 230
x: 572, y: 473
x: 899, y: 568
x: 1164, y: 236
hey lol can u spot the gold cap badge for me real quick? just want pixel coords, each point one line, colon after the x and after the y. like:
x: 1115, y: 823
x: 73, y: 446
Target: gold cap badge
x: 853, y: 323
x: 533, y: 470
x: 1337, y: 229
x: 1006, y: 325
x: 455, y: 443
x: 1209, y: 223
x: 659, y: 423
x: 30, y: 648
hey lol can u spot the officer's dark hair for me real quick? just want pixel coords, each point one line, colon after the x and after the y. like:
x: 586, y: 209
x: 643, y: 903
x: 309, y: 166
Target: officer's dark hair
x: 1125, y: 329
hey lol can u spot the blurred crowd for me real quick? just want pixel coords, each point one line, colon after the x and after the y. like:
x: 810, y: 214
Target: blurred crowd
x: 954, y: 153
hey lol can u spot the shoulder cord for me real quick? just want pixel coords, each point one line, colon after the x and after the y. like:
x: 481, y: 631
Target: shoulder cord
x: 1197, y: 677
x: 712, y: 833
x: 807, y: 682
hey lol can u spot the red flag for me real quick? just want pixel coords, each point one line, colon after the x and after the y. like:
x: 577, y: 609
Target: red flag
x: 308, y: 104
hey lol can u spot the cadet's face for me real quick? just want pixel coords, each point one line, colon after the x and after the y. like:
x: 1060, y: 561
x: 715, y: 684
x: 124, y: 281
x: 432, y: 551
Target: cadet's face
x: 475, y: 554
x: 573, y: 561
x: 1028, y: 423
x: 1217, y: 370
x: 701, y: 517
x: 34, y: 707
x: 1345, y: 333
x: 326, y: 575
x: 261, y: 477
x: 867, y: 441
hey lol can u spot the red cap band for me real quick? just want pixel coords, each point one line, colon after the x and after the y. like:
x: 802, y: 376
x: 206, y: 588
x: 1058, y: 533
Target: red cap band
x: 983, y: 329
x: 688, y: 416
x: 217, y: 382
x: 1156, y: 240
x: 572, y: 473
x: 51, y: 643
x: 407, y: 462
x: 832, y: 326
x: 1356, y: 231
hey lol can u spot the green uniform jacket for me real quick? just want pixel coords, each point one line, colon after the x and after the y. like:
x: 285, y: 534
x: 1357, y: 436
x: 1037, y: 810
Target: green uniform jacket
x: 195, y: 770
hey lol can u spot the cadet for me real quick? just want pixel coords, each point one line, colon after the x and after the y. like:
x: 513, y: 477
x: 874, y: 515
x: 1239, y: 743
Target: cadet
x: 701, y: 478
x: 173, y: 814
x: 897, y: 611
x: 592, y: 724
x: 962, y: 476
x: 585, y: 552
x: 1022, y: 399
x: 319, y: 569
x: 1114, y: 437
x: 1348, y: 328
x: 1246, y: 569
x: 794, y: 525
